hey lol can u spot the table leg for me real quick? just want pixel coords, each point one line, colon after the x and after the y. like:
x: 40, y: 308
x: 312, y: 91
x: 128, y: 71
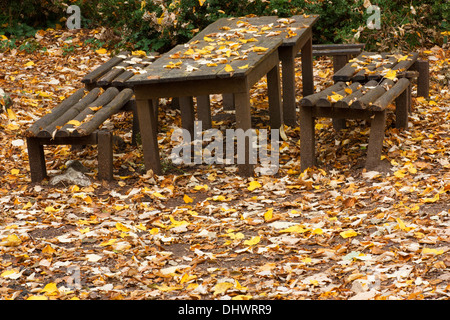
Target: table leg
x: 273, y: 90
x: 147, y: 125
x: 204, y: 111
x: 307, y: 68
x: 287, y: 57
x: 228, y: 101
x: 244, y: 122
x: 307, y: 138
x: 187, y: 114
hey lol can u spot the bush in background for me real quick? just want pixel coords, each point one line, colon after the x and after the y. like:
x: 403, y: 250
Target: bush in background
x: 158, y: 25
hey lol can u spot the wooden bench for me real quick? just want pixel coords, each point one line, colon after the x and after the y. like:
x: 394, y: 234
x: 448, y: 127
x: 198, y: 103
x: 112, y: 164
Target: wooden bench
x: 341, y: 53
x: 77, y: 121
x: 115, y: 72
x: 383, y: 79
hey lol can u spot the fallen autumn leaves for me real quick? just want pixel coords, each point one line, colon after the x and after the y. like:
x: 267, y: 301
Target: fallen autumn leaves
x: 202, y: 232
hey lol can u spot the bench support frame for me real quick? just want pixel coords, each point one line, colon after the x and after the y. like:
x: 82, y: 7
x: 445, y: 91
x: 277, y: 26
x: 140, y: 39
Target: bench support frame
x: 377, y: 127
x: 99, y: 137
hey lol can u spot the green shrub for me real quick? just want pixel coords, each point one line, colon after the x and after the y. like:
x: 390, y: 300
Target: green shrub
x: 157, y: 25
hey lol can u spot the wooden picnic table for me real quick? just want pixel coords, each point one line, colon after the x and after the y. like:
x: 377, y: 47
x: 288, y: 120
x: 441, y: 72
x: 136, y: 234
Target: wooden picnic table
x: 296, y: 34
x: 227, y: 57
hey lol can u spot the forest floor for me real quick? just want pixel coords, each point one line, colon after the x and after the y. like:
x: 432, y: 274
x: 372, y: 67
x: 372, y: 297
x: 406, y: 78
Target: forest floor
x: 203, y: 232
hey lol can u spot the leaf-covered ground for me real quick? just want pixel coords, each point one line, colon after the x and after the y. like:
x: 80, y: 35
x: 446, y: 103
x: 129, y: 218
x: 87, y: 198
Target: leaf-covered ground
x: 203, y: 232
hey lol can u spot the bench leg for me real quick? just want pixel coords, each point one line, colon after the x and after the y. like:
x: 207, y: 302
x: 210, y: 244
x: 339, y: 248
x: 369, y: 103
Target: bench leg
x: 273, y: 90
x: 204, y: 111
x: 402, y: 107
x: 376, y: 140
x: 146, y: 116
x: 339, y: 124
x: 244, y: 122
x: 423, y: 81
x: 307, y: 139
x: 36, y: 160
x: 339, y: 62
x: 105, y: 155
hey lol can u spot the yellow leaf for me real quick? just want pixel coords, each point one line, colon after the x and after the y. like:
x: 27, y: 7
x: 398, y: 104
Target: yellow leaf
x: 239, y: 287
x: 8, y: 273
x: 431, y: 200
x: 254, y: 185
x: 158, y: 195
x: 201, y: 2
x: 391, y: 74
x: 268, y: 215
x: 241, y: 297
x: 348, y: 234
x: 317, y: 231
x: 167, y: 288
x: 228, y: 68
x: 207, y: 39
x: 50, y: 289
x: 48, y: 249
x: 187, y: 199
x: 141, y: 227
x: 176, y: 223
x: 348, y: 90
x: 201, y: 187
x: 400, y: 173
x: 27, y: 206
x: 15, y: 172
x: 154, y: 231
x: 139, y: 53
x: 37, y: 297
x: 403, y: 58
x: 218, y: 198
x: 244, y: 67
x: 29, y: 64
x: 307, y: 260
x: 295, y: 229
x: 11, y: 241
x: 50, y: 209
x: 108, y: 243
x: 95, y: 108
x: 253, y: 241
x: 211, y: 64
x: 432, y: 251
x: 401, y: 224
x: 75, y: 123
x: 236, y: 236
x: 101, y: 51
x: 335, y: 97
x: 121, y: 227
x: 3, y: 37
x: 11, y: 115
x: 222, y: 287
x: 260, y: 49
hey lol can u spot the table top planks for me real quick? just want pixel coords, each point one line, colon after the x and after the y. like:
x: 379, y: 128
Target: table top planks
x: 227, y: 48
